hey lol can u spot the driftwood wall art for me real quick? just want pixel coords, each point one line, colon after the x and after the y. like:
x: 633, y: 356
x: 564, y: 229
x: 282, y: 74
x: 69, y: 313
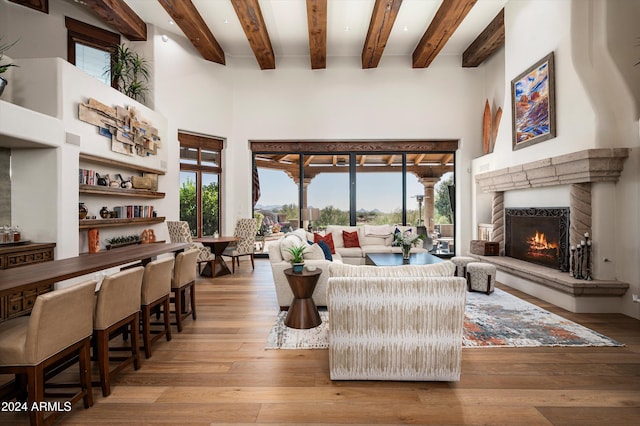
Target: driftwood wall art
x: 129, y: 134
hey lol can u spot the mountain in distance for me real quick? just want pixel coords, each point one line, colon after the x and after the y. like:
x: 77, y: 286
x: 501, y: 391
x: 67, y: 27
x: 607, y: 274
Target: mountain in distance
x: 272, y: 207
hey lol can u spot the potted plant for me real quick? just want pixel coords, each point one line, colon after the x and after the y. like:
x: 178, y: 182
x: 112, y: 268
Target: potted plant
x: 130, y: 72
x: 297, y: 262
x: 4, y: 67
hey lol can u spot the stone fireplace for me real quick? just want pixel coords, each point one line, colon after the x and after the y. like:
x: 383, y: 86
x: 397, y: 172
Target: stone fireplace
x: 538, y: 263
x: 538, y: 235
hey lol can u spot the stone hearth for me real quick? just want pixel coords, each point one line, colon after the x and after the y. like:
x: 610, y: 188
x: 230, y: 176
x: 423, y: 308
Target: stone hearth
x: 578, y: 170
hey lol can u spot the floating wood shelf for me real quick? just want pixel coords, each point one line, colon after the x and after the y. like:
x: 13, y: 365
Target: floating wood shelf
x: 120, y: 164
x: 119, y: 192
x: 110, y: 223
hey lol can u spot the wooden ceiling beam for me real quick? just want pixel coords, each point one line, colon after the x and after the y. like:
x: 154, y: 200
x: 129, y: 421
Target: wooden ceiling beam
x: 187, y: 17
x: 447, y: 158
x: 485, y: 45
x: 448, y: 17
x: 308, y: 159
x: 390, y: 160
x: 279, y: 158
x: 382, y: 19
x: 250, y: 16
x: 363, y: 160
x: 418, y: 159
x: 317, y: 25
x: 118, y: 14
x: 39, y: 5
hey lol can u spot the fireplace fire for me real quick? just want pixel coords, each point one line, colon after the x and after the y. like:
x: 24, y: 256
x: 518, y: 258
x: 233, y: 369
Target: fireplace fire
x: 538, y: 235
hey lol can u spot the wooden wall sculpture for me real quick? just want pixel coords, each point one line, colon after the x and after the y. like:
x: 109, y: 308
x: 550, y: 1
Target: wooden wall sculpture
x: 129, y: 133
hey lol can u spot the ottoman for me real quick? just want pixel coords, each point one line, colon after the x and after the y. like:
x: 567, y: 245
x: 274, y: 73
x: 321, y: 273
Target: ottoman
x: 461, y: 263
x: 481, y: 277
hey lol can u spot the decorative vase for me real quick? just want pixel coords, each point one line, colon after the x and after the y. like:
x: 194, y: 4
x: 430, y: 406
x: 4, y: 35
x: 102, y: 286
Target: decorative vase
x: 297, y: 267
x: 104, y: 212
x: 406, y: 250
x: 94, y: 240
x: 82, y: 211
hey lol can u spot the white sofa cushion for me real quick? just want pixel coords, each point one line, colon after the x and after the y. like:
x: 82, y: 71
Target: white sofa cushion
x: 336, y: 232
x: 349, y: 251
x: 442, y: 269
x: 313, y: 252
x: 288, y: 241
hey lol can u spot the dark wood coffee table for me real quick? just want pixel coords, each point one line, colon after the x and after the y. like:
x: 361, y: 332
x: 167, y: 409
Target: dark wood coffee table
x: 303, y: 312
x: 395, y: 259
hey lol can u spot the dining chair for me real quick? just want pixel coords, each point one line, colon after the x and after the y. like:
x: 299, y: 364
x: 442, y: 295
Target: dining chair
x: 156, y: 289
x: 184, y: 278
x: 246, y: 231
x: 36, y: 346
x: 179, y: 232
x: 117, y: 311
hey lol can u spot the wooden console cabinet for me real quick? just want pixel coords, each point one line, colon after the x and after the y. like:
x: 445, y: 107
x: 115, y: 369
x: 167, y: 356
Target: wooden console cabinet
x: 20, y: 302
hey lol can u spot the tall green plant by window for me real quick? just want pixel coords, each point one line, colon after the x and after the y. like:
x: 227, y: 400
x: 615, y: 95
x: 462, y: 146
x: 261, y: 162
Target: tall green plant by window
x: 130, y: 73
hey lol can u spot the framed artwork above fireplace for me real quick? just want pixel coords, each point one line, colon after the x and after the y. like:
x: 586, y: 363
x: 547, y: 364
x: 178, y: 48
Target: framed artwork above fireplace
x: 533, y: 104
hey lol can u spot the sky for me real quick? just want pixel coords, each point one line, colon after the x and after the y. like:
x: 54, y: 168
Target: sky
x: 380, y: 191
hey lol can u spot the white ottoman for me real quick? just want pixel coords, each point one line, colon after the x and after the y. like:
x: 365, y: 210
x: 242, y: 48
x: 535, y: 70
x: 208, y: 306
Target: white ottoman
x: 461, y: 263
x: 481, y: 277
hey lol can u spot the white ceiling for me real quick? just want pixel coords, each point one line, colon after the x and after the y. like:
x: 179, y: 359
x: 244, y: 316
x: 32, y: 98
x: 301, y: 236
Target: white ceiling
x: 347, y: 25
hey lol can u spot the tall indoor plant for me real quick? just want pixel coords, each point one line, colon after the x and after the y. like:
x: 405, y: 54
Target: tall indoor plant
x: 4, y: 67
x: 130, y: 72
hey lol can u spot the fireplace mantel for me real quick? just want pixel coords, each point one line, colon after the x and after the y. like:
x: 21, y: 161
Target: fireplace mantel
x: 591, y: 165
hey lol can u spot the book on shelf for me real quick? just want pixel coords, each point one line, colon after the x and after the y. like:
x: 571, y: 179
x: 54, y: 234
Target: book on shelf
x: 133, y: 211
x: 87, y: 176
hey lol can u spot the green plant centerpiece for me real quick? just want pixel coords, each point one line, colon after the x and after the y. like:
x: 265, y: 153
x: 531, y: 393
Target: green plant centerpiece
x: 4, y: 67
x: 130, y: 72
x: 297, y: 262
x: 406, y: 240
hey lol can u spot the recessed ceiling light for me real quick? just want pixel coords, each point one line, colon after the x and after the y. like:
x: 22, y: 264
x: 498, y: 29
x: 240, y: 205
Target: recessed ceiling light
x: 347, y: 28
x: 164, y: 38
x: 171, y: 22
x: 226, y: 21
x: 405, y: 29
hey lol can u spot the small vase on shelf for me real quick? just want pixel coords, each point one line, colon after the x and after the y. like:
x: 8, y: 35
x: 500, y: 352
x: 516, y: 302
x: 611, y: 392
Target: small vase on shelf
x: 82, y: 211
x: 104, y: 212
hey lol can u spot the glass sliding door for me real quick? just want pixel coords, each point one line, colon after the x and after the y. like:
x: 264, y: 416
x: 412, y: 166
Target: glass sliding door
x: 327, y: 177
x: 379, y: 189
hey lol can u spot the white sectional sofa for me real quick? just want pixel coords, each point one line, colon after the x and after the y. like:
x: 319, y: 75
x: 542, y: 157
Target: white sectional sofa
x: 372, y: 239
x: 395, y: 323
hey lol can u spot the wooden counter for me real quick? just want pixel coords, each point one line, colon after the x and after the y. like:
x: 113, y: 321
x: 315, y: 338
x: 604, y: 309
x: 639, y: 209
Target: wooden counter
x: 20, y: 286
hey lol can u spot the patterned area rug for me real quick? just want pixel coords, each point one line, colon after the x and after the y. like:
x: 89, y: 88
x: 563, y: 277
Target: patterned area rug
x: 497, y: 320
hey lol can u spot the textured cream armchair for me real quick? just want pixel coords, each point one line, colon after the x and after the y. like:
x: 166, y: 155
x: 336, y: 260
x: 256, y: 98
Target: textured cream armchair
x: 179, y: 232
x: 395, y: 323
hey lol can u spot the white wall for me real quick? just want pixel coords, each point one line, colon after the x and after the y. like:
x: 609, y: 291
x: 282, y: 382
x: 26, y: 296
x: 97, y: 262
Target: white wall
x: 595, y: 108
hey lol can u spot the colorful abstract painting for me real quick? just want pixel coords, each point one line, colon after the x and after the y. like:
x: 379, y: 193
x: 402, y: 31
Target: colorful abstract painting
x: 533, y: 104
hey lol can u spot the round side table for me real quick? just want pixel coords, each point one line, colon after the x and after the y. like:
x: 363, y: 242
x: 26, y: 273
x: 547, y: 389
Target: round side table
x: 303, y: 312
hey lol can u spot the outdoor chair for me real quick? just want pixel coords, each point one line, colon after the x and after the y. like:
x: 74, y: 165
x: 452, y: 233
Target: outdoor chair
x: 246, y: 230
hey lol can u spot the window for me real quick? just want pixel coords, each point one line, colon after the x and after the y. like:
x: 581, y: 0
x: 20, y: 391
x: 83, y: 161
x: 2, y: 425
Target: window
x: 90, y: 48
x: 371, y: 183
x: 200, y: 170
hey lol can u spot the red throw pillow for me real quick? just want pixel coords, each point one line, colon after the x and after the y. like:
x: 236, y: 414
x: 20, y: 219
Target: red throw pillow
x: 350, y: 239
x: 327, y: 239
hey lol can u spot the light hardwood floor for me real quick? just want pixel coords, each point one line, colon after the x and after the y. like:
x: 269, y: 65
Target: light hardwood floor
x: 217, y: 372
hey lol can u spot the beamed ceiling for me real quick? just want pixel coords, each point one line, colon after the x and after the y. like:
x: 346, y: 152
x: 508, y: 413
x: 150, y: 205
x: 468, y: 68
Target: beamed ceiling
x: 419, y: 30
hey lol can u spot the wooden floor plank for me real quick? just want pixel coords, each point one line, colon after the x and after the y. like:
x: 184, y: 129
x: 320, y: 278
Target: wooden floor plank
x: 217, y: 371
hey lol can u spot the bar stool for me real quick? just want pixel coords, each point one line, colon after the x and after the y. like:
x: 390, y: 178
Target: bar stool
x: 184, y: 278
x: 461, y: 263
x: 156, y: 288
x: 481, y: 277
x: 117, y: 308
x: 36, y: 346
